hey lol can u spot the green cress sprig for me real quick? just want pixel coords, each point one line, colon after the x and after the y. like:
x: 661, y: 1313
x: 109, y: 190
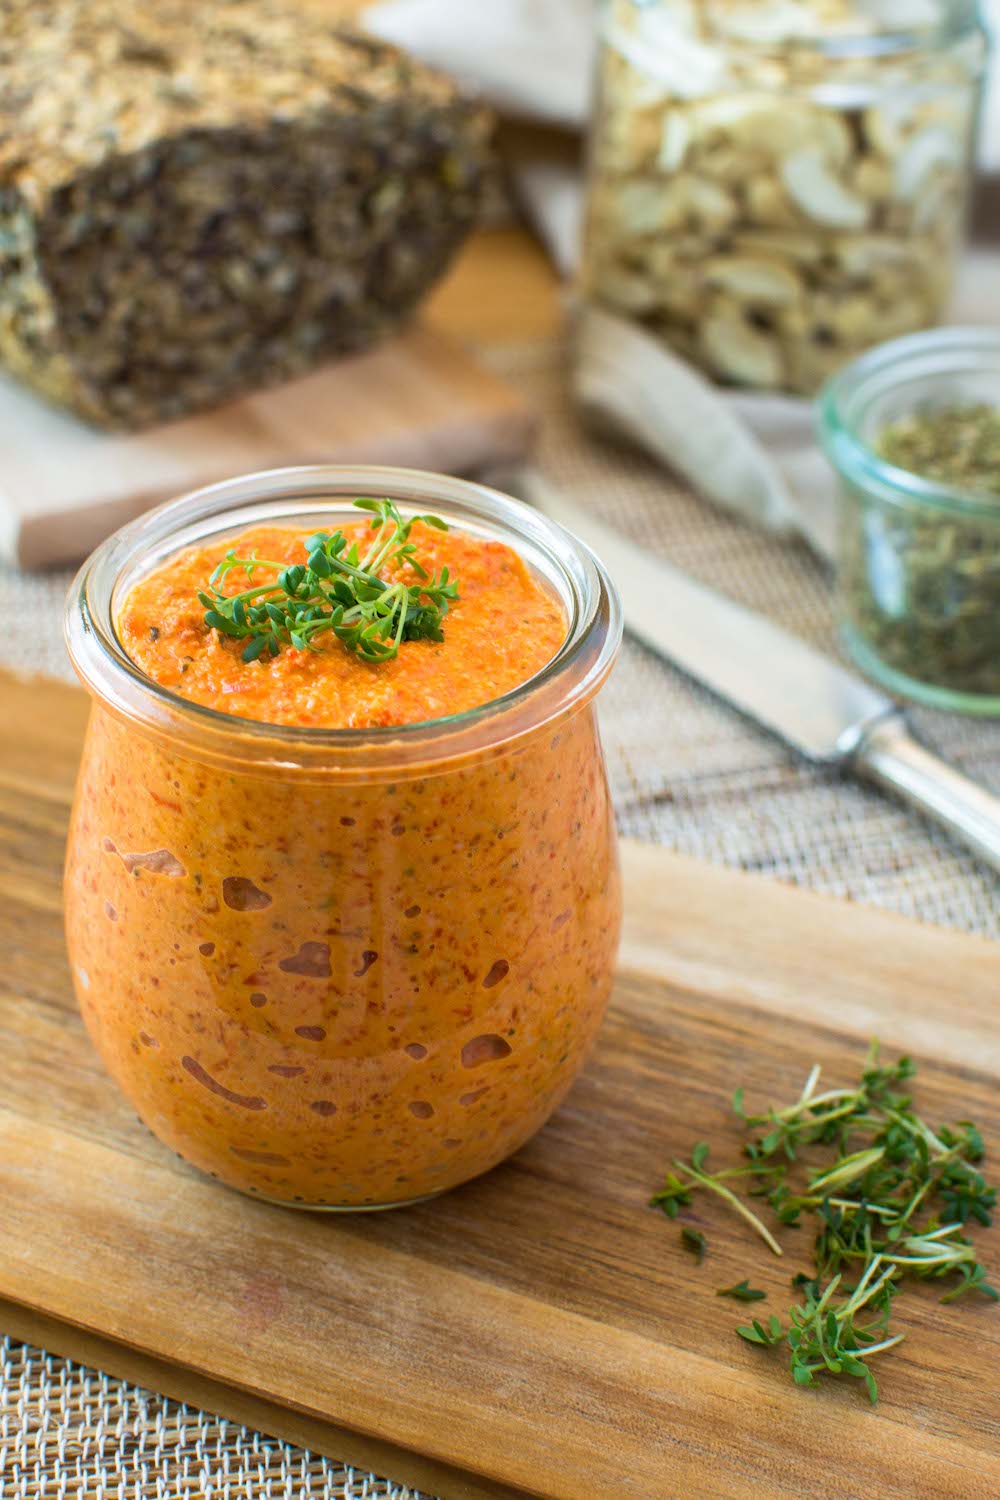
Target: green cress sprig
x: 893, y: 1204
x: 336, y: 589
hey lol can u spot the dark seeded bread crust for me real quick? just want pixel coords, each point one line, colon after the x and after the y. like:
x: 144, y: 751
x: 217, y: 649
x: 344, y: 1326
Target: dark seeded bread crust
x: 195, y: 201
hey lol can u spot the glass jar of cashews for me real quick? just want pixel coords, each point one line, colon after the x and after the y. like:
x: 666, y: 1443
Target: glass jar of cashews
x: 776, y: 185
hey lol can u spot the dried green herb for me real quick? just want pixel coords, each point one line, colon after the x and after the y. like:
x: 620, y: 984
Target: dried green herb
x: 894, y: 1202
x: 921, y: 586
x: 958, y: 446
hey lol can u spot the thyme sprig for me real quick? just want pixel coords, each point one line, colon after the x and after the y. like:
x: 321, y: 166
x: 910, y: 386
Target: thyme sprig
x: 893, y: 1204
x: 337, y: 589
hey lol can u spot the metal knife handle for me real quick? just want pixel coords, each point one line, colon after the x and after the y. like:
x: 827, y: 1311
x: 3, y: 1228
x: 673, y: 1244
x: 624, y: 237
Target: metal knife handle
x: 888, y: 754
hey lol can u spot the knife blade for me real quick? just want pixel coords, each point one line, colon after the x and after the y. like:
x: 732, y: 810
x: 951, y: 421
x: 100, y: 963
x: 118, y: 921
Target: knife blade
x: 821, y: 709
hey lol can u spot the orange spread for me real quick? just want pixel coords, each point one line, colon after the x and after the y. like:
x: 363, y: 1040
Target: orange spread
x: 344, y: 992
x: 502, y: 630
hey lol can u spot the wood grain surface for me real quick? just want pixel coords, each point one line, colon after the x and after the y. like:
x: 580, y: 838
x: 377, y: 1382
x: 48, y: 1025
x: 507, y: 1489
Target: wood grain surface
x: 539, y: 1330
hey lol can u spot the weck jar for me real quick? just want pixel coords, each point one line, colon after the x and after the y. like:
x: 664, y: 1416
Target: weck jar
x: 343, y: 968
x: 918, y: 574
x: 776, y: 185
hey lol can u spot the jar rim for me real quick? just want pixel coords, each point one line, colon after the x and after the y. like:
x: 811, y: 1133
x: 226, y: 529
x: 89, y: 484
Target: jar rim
x: 848, y: 394
x: 957, y: 20
x: 570, y: 677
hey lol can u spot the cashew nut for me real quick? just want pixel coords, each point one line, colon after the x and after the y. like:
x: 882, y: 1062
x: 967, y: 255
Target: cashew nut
x: 768, y: 203
x: 674, y: 138
x: 923, y: 154
x: 762, y: 283
x: 737, y: 351
x: 629, y: 290
x: 821, y: 195
x: 766, y: 122
x: 804, y: 249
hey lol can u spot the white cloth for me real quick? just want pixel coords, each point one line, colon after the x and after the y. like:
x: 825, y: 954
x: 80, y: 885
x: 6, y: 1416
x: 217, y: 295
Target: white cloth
x: 529, y: 58
x: 752, y: 454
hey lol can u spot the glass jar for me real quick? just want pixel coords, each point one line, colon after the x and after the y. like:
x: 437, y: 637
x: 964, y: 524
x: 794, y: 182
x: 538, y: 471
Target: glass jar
x: 776, y: 185
x: 919, y: 563
x: 343, y: 968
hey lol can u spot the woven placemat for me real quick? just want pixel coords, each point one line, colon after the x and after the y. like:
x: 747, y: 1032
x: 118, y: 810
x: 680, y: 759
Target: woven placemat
x: 689, y: 772
x: 69, y: 1433
x: 685, y: 771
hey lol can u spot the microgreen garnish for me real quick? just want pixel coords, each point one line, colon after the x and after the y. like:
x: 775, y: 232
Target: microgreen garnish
x: 676, y: 1193
x: 336, y: 589
x: 827, y: 1333
x: 894, y: 1203
x: 756, y: 1333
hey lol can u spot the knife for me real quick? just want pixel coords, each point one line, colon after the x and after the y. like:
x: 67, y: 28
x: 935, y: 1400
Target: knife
x: 827, y: 714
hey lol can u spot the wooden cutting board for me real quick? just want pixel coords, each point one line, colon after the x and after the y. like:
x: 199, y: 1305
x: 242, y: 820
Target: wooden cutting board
x: 539, y: 1330
x: 418, y: 400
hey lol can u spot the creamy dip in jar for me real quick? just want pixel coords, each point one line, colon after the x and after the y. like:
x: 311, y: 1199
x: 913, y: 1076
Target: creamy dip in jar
x: 343, y: 931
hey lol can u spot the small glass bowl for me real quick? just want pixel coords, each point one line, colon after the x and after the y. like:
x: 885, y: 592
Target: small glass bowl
x: 919, y: 562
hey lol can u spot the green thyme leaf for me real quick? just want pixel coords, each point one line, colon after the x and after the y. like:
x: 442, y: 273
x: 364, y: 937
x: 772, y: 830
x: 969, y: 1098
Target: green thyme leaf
x: 742, y: 1292
x: 694, y: 1240
x: 674, y: 1196
x: 756, y: 1333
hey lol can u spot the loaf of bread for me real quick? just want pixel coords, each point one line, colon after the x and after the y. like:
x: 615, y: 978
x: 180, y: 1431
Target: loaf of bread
x: 197, y: 200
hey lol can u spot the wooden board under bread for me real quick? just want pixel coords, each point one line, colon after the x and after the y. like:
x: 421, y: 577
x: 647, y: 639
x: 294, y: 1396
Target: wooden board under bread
x: 540, y: 1330
x: 419, y: 400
